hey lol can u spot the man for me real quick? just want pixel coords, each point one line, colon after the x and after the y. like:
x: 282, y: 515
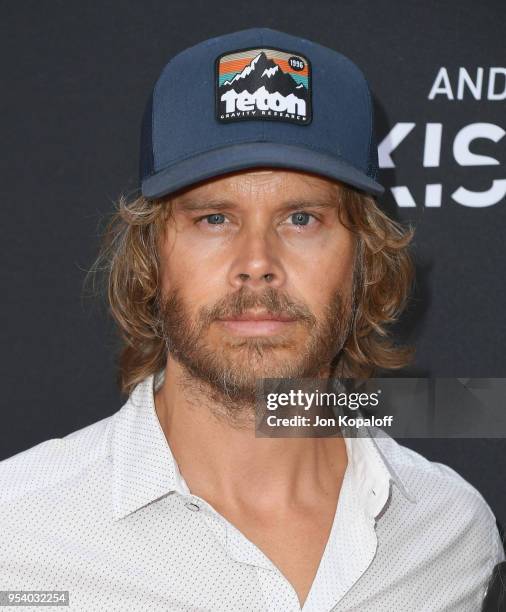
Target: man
x: 256, y: 250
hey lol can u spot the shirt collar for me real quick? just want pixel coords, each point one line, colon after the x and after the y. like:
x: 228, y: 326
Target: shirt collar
x: 144, y: 468
x: 372, y: 473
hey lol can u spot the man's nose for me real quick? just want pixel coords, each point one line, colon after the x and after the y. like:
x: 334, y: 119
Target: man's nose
x: 257, y: 263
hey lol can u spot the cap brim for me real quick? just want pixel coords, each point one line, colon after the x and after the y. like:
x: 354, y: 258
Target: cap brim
x: 237, y: 157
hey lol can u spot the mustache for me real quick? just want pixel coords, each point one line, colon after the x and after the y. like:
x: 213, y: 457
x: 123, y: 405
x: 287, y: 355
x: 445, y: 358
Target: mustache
x: 272, y: 300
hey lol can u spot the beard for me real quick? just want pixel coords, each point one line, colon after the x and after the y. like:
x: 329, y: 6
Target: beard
x: 228, y: 369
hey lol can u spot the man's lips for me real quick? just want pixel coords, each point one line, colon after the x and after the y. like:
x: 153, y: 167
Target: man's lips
x: 259, y: 323
x: 258, y: 316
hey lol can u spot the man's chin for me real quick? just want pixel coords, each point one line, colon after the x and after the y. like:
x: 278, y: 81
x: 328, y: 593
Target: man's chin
x: 237, y: 371
x: 233, y: 375
x: 260, y: 357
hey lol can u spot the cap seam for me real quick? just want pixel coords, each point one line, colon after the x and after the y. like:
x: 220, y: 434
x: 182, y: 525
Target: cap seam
x: 155, y: 91
x: 368, y: 154
x: 262, y: 40
x: 371, y: 171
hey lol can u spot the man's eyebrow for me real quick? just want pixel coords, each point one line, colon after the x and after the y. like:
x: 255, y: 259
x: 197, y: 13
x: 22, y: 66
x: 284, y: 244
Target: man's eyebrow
x: 190, y: 205
x: 313, y: 203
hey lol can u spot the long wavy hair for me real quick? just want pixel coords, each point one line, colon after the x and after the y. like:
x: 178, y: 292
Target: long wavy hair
x: 129, y: 266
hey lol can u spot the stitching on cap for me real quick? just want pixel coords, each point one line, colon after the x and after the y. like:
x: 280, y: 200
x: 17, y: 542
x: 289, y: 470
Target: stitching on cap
x: 370, y: 169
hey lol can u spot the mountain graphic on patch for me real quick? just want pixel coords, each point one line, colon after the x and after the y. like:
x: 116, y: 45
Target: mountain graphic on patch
x: 263, y: 84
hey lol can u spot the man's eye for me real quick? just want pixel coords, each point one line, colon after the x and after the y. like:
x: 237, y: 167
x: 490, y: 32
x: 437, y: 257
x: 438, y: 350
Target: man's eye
x: 301, y: 218
x: 298, y: 218
x: 214, y: 219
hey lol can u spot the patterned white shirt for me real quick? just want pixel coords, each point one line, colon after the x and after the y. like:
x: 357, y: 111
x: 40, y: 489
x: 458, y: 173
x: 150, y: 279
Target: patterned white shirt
x: 105, y: 514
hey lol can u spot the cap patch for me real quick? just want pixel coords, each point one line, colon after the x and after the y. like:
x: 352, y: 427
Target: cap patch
x: 263, y: 83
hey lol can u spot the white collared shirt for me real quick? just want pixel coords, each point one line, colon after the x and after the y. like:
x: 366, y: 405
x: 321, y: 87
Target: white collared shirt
x: 105, y: 514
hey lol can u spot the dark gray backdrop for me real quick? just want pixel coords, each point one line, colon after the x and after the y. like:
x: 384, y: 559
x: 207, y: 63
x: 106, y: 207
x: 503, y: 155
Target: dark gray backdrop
x: 75, y: 77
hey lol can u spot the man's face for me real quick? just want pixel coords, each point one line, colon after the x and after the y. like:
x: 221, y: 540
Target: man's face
x: 257, y: 277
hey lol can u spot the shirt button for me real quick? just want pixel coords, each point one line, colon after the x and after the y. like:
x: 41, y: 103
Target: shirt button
x: 192, y: 506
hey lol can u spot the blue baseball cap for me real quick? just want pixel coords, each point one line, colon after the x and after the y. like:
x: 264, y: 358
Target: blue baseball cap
x: 258, y: 98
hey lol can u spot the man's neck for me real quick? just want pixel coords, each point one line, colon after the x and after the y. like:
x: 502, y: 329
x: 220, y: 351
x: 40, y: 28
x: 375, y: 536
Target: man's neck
x: 219, y: 460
